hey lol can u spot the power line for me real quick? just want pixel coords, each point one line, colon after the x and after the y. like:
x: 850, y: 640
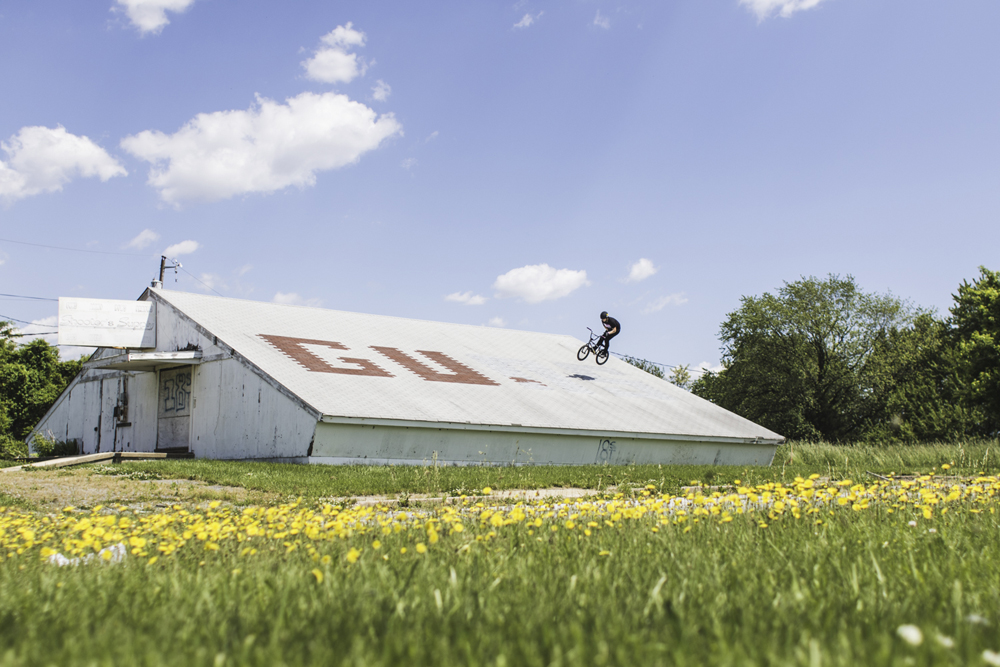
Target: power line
x: 14, y: 319
x: 661, y: 365
x: 40, y: 333
x: 199, y: 280
x: 95, y: 252
x: 35, y: 298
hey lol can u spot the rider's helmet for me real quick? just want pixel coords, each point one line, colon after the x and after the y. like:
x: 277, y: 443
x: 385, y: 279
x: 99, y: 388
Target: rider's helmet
x: 604, y: 315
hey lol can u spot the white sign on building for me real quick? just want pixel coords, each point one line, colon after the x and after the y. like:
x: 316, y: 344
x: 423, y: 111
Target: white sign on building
x: 107, y: 323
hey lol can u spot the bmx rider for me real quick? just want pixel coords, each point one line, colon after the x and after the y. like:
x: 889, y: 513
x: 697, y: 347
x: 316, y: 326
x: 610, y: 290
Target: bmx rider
x: 611, y: 329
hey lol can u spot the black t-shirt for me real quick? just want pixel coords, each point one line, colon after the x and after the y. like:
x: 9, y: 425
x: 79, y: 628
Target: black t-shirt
x: 611, y: 323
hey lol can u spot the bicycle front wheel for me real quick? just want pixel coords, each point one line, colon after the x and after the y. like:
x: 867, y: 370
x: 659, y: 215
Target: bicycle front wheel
x: 602, y: 357
x: 583, y: 352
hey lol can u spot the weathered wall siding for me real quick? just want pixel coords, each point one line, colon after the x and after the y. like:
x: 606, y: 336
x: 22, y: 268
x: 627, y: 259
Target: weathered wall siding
x: 348, y: 443
x: 239, y: 415
x: 141, y: 435
x: 175, y: 332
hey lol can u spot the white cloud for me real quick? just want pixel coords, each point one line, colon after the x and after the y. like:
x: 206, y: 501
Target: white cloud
x: 150, y: 16
x: 143, y: 239
x: 182, y: 248
x: 381, y: 91
x: 266, y: 148
x: 43, y: 159
x: 333, y: 63
x: 783, y: 8
x: 707, y: 366
x: 527, y: 20
x: 408, y: 163
x: 431, y: 137
x: 539, y: 282
x: 602, y: 21
x: 468, y: 298
x: 664, y: 301
x: 293, y: 299
x: 496, y: 322
x: 641, y: 270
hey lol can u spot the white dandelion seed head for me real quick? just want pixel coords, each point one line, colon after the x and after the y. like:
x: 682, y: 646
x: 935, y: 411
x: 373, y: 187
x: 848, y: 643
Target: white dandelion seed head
x: 910, y: 634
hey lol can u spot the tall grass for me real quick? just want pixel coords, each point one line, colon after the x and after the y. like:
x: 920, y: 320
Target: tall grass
x: 791, y: 460
x: 734, y: 594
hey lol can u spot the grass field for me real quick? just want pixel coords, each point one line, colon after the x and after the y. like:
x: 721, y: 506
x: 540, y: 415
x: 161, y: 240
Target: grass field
x: 814, y: 562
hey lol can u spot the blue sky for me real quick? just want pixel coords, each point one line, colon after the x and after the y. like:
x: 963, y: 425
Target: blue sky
x: 521, y: 164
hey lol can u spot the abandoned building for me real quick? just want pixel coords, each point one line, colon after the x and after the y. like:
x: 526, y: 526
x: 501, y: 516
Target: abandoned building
x: 233, y: 379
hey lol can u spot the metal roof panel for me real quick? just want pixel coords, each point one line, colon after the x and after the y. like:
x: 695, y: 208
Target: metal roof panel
x: 353, y: 365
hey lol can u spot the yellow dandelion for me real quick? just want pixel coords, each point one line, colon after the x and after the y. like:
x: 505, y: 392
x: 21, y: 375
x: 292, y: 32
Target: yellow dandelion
x: 376, y: 545
x: 421, y: 548
x: 487, y: 490
x: 319, y: 575
x: 326, y: 560
x: 152, y: 561
x: 353, y: 555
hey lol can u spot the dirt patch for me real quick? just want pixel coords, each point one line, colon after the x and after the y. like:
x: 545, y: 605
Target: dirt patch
x: 52, y: 490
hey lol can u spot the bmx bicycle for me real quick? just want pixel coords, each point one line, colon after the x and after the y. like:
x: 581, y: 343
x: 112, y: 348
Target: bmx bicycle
x: 600, y: 354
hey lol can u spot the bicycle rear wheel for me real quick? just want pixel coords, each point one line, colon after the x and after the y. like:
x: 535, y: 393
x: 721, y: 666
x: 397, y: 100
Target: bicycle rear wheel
x: 602, y: 357
x: 583, y: 352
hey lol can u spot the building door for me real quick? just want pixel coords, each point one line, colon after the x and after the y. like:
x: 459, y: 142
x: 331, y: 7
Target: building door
x: 173, y: 422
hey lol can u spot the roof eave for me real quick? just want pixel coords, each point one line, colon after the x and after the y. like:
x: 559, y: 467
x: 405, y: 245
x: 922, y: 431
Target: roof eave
x: 518, y: 428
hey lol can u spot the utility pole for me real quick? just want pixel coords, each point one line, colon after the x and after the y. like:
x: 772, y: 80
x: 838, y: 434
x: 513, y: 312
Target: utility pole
x: 163, y: 267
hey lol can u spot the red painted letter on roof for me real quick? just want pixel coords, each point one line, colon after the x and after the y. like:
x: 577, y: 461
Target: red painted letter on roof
x: 460, y: 373
x: 295, y: 348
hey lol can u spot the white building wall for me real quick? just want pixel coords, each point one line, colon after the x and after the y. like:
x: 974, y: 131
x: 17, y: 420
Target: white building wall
x: 380, y: 444
x: 239, y: 415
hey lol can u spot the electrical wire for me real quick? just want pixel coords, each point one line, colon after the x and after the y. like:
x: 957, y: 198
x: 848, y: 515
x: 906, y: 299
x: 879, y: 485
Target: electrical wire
x: 14, y: 319
x: 96, y: 252
x: 34, y: 298
x: 199, y: 279
x: 661, y: 365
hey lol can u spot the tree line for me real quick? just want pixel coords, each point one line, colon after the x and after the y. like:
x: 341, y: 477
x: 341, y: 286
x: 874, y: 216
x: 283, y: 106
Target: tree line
x: 31, y: 379
x: 824, y: 360
x: 818, y: 360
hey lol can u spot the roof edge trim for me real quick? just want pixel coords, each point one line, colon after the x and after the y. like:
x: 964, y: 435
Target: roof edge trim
x: 235, y: 354
x: 516, y: 428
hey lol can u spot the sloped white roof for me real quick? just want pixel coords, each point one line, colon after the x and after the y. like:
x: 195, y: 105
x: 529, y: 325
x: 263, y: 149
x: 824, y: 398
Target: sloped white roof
x: 514, y: 378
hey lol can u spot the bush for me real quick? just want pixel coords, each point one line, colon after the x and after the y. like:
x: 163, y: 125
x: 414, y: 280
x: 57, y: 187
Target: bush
x: 51, y: 447
x: 12, y: 448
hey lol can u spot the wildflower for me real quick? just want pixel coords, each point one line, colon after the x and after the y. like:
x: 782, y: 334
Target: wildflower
x: 376, y: 545
x: 353, y: 555
x: 319, y: 575
x: 604, y: 553
x: 421, y: 548
x: 403, y: 550
x: 945, y: 641
x: 910, y: 634
x: 912, y: 524
x: 991, y: 658
x: 487, y: 490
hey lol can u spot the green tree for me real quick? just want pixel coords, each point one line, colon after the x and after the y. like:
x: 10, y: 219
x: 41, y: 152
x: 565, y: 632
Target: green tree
x: 812, y: 361
x: 648, y: 366
x: 926, y: 385
x: 681, y: 376
x: 31, y: 379
x: 975, y: 318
